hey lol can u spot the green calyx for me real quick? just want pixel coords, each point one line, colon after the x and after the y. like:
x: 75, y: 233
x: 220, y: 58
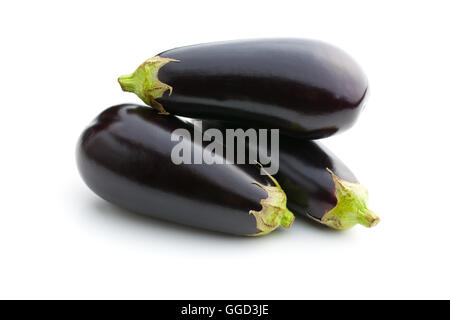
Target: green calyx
x: 274, y: 211
x: 351, y: 207
x: 145, y: 84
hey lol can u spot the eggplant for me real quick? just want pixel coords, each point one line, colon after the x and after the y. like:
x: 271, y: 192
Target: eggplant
x: 320, y: 186
x: 317, y: 183
x: 306, y: 88
x: 125, y: 157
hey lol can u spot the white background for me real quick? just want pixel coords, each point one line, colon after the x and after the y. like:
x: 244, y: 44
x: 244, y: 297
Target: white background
x: 59, y: 62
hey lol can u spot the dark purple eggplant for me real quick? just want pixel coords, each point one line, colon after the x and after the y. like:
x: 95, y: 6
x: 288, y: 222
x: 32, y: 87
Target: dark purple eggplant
x: 124, y: 156
x: 306, y: 88
x: 317, y: 183
x: 321, y: 186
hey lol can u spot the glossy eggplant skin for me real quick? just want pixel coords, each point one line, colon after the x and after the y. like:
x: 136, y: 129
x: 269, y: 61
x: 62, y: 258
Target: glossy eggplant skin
x: 306, y: 88
x: 303, y: 174
x: 124, y: 156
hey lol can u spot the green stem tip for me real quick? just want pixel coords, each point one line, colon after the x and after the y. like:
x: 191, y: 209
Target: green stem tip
x: 351, y: 207
x: 145, y: 84
x: 274, y: 212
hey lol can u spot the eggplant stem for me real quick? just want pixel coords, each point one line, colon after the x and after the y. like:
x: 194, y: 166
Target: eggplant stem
x: 351, y: 207
x: 145, y: 84
x: 274, y: 211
